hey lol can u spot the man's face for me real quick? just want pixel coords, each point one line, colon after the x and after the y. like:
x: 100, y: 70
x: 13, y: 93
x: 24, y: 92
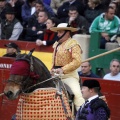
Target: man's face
x: 32, y: 4
x: 10, y: 17
x: 85, y: 68
x: 86, y: 92
x: 42, y: 18
x: 10, y: 50
x: 2, y: 4
x: 115, y: 68
x: 110, y: 14
x: 39, y: 7
x: 60, y: 33
x: 73, y: 13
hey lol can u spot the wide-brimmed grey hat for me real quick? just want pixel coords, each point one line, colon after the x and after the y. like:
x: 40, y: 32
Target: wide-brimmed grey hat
x: 63, y: 26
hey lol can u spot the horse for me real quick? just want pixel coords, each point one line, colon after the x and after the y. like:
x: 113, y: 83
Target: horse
x: 40, y: 99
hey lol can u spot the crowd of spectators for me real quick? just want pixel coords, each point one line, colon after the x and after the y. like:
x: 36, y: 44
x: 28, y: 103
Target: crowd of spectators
x: 29, y: 17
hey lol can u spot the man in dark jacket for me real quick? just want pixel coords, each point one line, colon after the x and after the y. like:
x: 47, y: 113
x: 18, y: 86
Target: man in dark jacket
x: 10, y: 28
x: 63, y: 9
x: 94, y: 108
x: 77, y: 21
x: 86, y: 70
x: 12, y: 50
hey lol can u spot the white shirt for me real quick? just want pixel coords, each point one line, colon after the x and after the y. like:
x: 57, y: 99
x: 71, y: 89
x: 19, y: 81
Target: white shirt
x: 110, y: 77
x: 93, y: 97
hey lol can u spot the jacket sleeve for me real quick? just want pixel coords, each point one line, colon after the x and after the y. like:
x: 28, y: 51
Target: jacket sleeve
x: 50, y: 42
x: 101, y: 114
x: 76, y: 60
x: 94, y: 26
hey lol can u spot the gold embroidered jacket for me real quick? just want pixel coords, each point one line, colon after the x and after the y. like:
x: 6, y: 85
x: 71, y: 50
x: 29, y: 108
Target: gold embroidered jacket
x: 67, y: 55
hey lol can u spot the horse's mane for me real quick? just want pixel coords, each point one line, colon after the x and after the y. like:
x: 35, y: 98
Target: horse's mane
x: 41, y: 69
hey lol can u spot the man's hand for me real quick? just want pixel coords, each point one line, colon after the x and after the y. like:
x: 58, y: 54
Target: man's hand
x: 57, y: 71
x: 106, y: 36
x: 71, y: 19
x: 39, y: 42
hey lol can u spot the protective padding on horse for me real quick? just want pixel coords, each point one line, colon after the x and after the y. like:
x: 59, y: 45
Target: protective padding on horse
x: 42, y: 105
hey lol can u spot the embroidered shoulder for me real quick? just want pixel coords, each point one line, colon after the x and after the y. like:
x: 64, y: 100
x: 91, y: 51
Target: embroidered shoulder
x: 71, y: 43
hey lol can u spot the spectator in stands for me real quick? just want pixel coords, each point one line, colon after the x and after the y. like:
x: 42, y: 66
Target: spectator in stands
x: 40, y: 6
x: 3, y: 5
x: 55, y: 4
x: 114, y: 71
x: 38, y: 27
x: 93, y: 9
x: 48, y: 37
x: 28, y: 9
x: 94, y: 107
x: 10, y: 28
x: 77, y: 21
x: 12, y: 50
x: 17, y: 5
x: 116, y: 6
x: 63, y: 9
x: 86, y: 70
x: 107, y: 24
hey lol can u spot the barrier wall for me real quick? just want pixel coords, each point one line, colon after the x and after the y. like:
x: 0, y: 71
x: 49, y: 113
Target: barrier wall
x: 84, y: 42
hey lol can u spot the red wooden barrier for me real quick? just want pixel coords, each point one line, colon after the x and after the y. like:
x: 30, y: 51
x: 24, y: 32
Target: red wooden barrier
x: 27, y: 46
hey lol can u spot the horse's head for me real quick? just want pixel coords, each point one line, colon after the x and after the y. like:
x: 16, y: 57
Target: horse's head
x: 25, y: 72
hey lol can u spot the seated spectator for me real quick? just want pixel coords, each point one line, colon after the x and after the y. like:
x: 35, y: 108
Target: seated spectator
x: 86, y: 70
x: 12, y: 50
x: 28, y: 8
x: 39, y: 7
x: 10, y: 28
x: 3, y: 6
x: 17, y: 5
x: 63, y: 9
x: 55, y: 4
x: 107, y: 24
x: 48, y: 37
x: 116, y: 6
x: 77, y: 21
x: 38, y: 27
x: 114, y: 71
x: 93, y: 9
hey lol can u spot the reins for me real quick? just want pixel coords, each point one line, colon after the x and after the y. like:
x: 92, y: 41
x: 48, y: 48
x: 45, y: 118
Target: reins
x: 39, y: 83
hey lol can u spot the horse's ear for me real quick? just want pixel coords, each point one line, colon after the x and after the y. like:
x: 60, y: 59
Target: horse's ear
x: 31, y: 51
x: 18, y: 52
